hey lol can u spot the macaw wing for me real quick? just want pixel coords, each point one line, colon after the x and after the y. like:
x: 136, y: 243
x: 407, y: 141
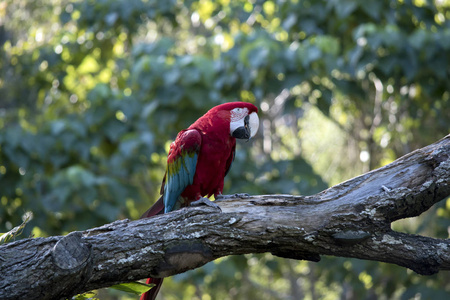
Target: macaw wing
x: 181, y: 166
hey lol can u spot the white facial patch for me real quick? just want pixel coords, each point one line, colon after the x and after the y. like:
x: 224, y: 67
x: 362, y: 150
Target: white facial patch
x: 238, y: 113
x: 237, y: 120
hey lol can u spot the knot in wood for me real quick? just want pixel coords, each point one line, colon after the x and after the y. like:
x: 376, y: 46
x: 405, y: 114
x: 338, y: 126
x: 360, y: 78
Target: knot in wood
x: 71, y: 253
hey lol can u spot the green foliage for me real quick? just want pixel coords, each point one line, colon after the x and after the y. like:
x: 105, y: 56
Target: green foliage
x: 136, y: 288
x: 85, y: 296
x: 93, y: 92
x: 16, y: 231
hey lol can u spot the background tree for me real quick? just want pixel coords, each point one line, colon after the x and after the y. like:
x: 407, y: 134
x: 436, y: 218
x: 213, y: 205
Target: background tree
x: 93, y: 92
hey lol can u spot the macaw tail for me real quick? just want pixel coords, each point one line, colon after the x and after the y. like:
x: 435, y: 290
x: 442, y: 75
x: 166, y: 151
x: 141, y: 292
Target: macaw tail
x: 153, y: 292
x: 156, y: 209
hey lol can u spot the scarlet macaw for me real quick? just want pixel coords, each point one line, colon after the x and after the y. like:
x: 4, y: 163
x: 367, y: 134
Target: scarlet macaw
x: 199, y: 159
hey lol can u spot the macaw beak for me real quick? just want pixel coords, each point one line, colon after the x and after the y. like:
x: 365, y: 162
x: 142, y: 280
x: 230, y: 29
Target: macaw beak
x: 243, y: 132
x: 246, y: 132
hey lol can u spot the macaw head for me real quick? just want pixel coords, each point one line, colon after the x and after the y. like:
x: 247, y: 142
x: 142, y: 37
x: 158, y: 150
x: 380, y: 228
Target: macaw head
x: 242, y: 118
x: 239, y: 119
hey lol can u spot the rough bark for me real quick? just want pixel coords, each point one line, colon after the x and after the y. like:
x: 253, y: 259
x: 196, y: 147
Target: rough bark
x: 351, y: 219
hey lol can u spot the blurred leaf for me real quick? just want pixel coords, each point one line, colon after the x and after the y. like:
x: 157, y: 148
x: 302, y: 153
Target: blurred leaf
x: 344, y: 7
x: 136, y: 288
x: 85, y: 296
x: 16, y: 231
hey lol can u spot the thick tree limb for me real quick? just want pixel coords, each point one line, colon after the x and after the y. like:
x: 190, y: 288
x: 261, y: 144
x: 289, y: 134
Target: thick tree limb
x: 351, y: 219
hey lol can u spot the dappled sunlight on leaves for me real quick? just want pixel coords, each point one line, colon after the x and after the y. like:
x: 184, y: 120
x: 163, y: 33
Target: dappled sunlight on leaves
x: 93, y: 92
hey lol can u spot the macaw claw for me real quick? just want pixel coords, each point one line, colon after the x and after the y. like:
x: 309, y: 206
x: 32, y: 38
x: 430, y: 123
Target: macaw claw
x: 206, y: 201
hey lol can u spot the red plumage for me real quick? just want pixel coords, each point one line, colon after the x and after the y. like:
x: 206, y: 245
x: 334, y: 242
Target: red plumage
x: 209, y: 142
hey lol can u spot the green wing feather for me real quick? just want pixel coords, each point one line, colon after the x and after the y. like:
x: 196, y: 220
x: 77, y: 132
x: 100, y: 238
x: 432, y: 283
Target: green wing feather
x: 181, y: 166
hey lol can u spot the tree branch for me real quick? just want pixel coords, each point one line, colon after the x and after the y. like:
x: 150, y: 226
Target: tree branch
x: 351, y: 219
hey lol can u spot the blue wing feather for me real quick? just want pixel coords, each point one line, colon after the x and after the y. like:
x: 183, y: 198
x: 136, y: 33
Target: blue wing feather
x: 181, y: 167
x: 177, y: 180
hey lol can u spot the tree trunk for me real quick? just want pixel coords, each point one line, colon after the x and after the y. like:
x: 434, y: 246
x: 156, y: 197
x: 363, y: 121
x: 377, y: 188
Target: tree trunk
x: 351, y: 219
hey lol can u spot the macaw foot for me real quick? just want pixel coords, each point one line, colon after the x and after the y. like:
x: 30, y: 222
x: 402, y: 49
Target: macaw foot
x: 205, y: 201
x: 237, y: 195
